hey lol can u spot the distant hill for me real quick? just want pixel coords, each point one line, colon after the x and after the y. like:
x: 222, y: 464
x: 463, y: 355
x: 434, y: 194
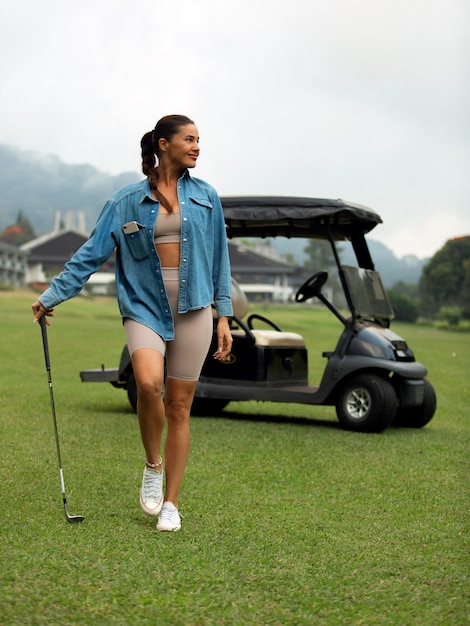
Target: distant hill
x: 40, y: 185
x: 392, y: 269
x: 407, y: 269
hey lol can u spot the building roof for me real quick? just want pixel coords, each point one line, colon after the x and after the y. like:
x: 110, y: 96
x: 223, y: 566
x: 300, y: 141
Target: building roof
x: 247, y: 259
x: 55, y: 247
x: 8, y: 247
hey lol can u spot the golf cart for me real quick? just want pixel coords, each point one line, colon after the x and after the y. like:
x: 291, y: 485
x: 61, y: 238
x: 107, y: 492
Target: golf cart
x: 371, y: 376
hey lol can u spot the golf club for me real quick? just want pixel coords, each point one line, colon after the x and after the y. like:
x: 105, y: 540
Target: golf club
x: 70, y: 518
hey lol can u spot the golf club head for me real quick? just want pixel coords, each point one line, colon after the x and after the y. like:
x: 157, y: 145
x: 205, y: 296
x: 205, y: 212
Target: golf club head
x: 72, y: 519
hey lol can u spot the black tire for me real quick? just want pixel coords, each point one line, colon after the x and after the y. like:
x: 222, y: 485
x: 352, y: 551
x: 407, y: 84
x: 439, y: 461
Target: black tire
x: 205, y: 407
x: 367, y: 404
x: 418, y: 416
x: 132, y: 391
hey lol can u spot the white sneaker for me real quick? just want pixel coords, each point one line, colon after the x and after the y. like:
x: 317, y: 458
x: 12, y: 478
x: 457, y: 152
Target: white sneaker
x: 169, y: 519
x: 151, y: 492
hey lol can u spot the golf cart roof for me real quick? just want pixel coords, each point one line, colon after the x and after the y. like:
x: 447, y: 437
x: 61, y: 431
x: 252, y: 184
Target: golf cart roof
x: 274, y: 216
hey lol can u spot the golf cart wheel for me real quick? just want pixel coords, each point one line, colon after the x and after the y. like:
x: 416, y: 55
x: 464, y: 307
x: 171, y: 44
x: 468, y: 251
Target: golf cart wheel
x: 132, y: 391
x: 205, y: 407
x: 366, y: 404
x: 418, y: 416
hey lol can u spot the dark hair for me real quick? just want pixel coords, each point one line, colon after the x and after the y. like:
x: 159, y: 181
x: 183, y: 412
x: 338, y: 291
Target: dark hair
x: 166, y: 128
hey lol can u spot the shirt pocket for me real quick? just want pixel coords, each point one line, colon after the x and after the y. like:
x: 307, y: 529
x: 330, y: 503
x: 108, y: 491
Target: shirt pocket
x: 201, y: 210
x: 137, y: 244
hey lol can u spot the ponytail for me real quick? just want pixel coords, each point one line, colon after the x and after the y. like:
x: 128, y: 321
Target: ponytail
x: 149, y: 168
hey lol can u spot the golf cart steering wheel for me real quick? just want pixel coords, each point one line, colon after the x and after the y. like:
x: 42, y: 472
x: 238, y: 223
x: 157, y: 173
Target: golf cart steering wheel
x: 311, y: 287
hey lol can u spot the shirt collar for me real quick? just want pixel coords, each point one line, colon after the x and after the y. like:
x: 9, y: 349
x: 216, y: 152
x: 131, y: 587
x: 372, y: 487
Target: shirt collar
x: 146, y: 194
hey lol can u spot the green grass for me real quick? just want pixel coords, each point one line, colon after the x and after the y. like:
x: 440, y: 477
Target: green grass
x: 288, y: 520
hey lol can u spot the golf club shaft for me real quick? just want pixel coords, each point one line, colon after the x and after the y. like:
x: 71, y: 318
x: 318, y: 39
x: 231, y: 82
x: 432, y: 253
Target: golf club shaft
x: 70, y: 518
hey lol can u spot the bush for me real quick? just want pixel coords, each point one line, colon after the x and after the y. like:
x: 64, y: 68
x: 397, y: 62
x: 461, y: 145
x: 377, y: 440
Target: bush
x: 450, y: 314
x: 405, y: 307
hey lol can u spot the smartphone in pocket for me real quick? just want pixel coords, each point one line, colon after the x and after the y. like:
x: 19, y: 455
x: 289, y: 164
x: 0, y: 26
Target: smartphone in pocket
x: 131, y: 227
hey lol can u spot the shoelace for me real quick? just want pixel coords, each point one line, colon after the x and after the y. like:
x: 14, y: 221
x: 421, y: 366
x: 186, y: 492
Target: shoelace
x: 152, y: 485
x: 170, y: 514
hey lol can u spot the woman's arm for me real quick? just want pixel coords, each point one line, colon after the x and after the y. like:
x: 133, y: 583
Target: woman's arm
x: 87, y: 260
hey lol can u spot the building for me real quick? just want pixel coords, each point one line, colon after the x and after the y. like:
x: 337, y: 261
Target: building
x: 262, y: 274
x: 13, y: 265
x: 48, y: 253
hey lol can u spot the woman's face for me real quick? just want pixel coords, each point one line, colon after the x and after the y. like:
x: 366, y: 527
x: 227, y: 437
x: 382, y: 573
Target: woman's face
x: 183, y: 148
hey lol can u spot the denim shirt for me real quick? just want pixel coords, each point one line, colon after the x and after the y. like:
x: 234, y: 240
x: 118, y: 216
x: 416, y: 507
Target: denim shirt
x: 204, y: 270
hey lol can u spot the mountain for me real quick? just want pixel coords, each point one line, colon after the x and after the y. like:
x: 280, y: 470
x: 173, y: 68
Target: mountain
x: 40, y: 185
x: 392, y: 269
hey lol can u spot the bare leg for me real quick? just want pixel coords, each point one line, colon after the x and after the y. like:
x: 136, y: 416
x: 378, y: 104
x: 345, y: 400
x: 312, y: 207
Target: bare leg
x: 178, y: 399
x: 148, y: 366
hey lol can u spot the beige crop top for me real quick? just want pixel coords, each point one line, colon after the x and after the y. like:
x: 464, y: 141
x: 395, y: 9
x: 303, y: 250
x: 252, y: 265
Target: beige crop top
x: 167, y: 228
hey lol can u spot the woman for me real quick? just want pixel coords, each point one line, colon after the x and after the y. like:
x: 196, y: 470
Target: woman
x: 171, y: 264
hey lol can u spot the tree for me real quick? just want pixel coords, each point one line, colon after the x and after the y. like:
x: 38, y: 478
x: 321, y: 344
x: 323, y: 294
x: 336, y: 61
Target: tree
x: 446, y: 278
x: 466, y: 290
x: 405, y: 304
x: 20, y: 232
x: 320, y: 256
x: 289, y: 258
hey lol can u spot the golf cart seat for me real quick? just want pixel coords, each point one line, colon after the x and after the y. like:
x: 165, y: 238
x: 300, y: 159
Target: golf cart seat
x: 259, y: 357
x: 274, y: 337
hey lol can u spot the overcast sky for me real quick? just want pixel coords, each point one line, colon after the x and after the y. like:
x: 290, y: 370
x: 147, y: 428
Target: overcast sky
x: 365, y: 100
